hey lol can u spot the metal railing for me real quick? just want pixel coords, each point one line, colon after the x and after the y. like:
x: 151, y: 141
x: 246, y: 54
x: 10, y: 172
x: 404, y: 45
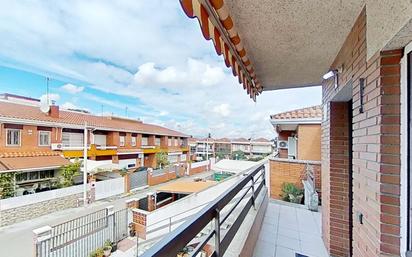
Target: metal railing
x: 248, y: 187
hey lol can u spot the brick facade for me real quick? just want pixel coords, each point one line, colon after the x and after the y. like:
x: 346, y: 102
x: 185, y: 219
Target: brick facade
x: 375, y: 156
x: 290, y: 171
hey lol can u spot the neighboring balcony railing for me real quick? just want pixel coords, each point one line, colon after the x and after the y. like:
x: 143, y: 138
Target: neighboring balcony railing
x: 217, y: 213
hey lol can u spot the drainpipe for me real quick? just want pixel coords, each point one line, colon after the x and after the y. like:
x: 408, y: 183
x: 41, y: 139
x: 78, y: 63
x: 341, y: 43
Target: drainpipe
x: 85, y: 165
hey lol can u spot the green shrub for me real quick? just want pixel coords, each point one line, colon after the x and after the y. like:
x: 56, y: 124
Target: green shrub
x: 291, y: 193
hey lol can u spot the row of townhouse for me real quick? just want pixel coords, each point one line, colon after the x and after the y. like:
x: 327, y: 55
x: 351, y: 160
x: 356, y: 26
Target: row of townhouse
x: 224, y: 147
x: 34, y: 144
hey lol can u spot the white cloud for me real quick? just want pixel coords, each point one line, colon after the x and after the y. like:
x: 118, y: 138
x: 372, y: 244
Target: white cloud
x: 222, y: 109
x: 69, y: 105
x: 161, y: 62
x: 72, y: 89
x: 50, y: 97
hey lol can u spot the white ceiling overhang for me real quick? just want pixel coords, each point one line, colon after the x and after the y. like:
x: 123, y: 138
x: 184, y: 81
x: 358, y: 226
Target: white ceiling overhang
x: 293, y: 43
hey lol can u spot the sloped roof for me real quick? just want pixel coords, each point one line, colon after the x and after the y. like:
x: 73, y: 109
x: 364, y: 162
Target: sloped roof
x: 261, y: 139
x: 33, y: 113
x: 303, y: 113
x: 18, y: 163
x: 12, y: 154
x: 241, y: 139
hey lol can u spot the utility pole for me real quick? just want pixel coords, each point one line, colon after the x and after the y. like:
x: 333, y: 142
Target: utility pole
x: 85, y: 165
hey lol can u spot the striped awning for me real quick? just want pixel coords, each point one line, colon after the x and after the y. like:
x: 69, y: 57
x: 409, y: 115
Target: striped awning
x: 217, y: 25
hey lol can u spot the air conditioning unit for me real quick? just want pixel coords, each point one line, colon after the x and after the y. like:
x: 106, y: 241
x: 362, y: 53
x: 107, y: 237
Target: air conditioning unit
x: 283, y: 144
x: 56, y: 146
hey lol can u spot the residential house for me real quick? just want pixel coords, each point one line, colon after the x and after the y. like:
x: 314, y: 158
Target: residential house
x: 299, y: 133
x: 360, y: 52
x: 34, y: 143
x: 223, y: 147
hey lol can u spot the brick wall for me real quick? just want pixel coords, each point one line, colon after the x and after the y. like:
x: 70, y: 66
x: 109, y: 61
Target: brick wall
x: 376, y: 151
x: 308, y: 145
x: 158, y: 179
x: 29, y: 139
x: 291, y: 171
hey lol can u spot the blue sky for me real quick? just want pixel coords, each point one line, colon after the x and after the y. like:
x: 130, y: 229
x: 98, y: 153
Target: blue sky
x: 143, y: 55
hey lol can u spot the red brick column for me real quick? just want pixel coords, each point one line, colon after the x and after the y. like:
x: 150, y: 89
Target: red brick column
x: 335, y: 180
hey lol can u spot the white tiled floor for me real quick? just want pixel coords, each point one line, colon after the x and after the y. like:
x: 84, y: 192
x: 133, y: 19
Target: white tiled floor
x: 287, y: 230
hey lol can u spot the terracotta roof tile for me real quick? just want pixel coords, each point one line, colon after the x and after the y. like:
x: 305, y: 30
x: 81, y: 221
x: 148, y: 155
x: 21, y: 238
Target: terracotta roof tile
x: 261, y: 139
x: 27, y: 154
x: 33, y: 113
x: 17, y: 163
x: 309, y: 112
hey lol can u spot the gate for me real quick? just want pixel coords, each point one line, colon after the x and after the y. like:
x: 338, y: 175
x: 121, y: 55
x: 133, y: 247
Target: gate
x: 138, y: 179
x: 80, y: 236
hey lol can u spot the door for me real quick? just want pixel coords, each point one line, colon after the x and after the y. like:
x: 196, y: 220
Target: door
x: 292, y: 148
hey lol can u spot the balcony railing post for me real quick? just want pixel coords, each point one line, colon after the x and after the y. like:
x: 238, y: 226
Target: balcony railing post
x: 217, y: 233
x: 253, y: 192
x: 264, y: 175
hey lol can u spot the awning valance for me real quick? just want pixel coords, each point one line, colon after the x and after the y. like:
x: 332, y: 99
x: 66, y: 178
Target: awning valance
x: 217, y: 25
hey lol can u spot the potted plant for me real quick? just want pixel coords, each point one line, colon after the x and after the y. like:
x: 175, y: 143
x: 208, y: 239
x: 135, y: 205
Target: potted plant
x: 107, y: 248
x: 99, y: 252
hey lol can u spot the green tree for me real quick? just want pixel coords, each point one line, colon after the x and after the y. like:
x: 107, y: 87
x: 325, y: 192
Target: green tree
x: 68, y: 172
x: 238, y: 155
x: 6, y: 185
x: 161, y: 159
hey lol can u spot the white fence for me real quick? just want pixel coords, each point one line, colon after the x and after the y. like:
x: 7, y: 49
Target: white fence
x: 23, y: 200
x: 198, y: 164
x: 109, y: 188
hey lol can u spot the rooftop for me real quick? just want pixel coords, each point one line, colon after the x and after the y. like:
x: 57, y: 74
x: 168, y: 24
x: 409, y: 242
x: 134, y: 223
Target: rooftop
x: 12, y: 112
x: 303, y: 113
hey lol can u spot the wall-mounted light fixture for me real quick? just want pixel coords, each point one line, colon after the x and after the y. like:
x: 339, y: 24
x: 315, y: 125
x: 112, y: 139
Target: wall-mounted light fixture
x: 333, y: 74
x: 330, y: 74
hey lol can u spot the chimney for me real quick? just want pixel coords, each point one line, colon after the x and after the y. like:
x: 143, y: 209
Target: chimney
x: 54, y: 111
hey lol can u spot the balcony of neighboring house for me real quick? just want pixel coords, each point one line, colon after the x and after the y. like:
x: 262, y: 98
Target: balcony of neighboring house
x: 72, y: 144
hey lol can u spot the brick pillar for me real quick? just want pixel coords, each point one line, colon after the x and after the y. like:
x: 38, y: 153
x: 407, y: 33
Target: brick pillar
x: 132, y: 203
x: 127, y: 183
x: 335, y: 180
x: 151, y: 202
x: 115, y: 159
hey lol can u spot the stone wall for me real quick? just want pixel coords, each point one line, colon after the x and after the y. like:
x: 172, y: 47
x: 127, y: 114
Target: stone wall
x: 31, y: 211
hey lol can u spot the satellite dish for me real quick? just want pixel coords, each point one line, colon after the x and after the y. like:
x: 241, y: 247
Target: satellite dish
x: 44, y: 106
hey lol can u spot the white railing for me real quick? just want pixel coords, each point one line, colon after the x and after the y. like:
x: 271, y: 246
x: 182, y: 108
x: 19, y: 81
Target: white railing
x: 105, y: 147
x: 23, y: 200
x: 199, y: 164
x: 108, y: 188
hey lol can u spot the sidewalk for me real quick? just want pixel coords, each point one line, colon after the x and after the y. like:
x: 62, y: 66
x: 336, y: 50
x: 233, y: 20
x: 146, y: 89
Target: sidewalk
x: 18, y: 238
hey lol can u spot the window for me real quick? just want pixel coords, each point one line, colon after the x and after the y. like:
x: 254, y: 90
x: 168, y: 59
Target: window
x: 122, y: 140
x: 71, y: 139
x: 170, y: 142
x: 172, y: 158
x: 13, y: 137
x: 145, y: 140
x: 44, y: 138
x: 157, y: 141
x: 133, y: 141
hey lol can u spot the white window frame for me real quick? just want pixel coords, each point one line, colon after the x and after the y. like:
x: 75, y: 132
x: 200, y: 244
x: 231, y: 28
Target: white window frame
x: 7, y: 135
x: 169, y: 140
x: 122, y: 140
x: 404, y: 197
x: 134, y: 141
x: 48, y: 135
x: 145, y: 141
